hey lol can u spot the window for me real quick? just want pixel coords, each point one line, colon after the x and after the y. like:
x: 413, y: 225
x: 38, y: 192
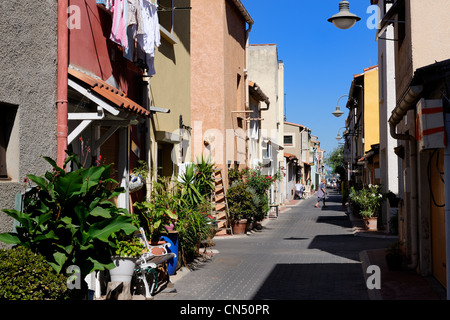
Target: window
x: 267, y: 152
x: 166, y: 14
x: 166, y: 20
x: 401, y: 24
x: 288, y: 140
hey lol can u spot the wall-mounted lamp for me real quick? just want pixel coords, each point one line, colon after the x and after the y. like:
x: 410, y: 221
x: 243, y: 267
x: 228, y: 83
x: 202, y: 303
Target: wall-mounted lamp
x: 338, y: 112
x: 182, y: 125
x: 344, y: 19
x: 339, y: 137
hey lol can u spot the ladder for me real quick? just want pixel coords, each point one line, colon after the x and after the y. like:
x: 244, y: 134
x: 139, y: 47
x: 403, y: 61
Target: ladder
x: 220, y: 204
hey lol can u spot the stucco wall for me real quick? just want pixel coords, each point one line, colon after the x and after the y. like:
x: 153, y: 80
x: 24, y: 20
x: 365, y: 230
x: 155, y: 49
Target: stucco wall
x: 295, y: 149
x: 170, y: 86
x: 218, y: 40
x: 207, y: 69
x: 28, y: 81
x: 430, y: 31
x: 235, y: 82
x: 263, y: 69
x: 371, y: 109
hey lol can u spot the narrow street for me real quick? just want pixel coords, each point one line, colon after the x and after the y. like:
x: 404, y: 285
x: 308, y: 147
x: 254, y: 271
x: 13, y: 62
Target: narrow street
x: 304, y: 254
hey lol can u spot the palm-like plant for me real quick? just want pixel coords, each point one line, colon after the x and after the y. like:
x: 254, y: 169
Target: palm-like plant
x: 189, y: 191
x: 203, y: 178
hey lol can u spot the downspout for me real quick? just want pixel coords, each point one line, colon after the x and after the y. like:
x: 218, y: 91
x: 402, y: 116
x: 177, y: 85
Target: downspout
x: 447, y: 185
x: 61, y: 85
x: 247, y: 88
x: 408, y: 100
x: 447, y: 199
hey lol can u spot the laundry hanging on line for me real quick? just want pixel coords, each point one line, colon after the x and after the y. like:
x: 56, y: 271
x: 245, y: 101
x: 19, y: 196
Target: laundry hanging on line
x: 135, y: 28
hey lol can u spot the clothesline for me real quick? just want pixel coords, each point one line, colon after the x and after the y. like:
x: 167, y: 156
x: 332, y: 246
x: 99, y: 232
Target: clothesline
x: 162, y: 8
x: 135, y: 27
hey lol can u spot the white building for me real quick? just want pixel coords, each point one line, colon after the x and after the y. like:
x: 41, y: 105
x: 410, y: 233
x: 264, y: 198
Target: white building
x: 389, y: 163
x: 267, y: 71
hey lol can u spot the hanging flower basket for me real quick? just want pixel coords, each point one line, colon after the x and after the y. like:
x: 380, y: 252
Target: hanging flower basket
x: 136, y: 183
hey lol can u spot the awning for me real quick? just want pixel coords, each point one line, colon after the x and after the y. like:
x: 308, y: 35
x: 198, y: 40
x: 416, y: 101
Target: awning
x: 290, y: 156
x: 116, y: 97
x: 259, y: 95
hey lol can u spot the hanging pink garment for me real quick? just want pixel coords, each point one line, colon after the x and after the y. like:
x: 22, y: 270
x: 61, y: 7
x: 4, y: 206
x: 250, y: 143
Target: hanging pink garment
x: 120, y: 23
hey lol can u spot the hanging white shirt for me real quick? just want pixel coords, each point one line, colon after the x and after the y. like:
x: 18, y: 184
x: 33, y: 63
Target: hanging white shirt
x: 148, y: 34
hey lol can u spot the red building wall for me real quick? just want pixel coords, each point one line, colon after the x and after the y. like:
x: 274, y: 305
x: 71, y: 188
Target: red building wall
x: 91, y: 50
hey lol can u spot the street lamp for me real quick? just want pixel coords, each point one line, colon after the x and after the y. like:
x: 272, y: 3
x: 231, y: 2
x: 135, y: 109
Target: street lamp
x: 344, y: 19
x: 338, y: 112
x: 339, y: 137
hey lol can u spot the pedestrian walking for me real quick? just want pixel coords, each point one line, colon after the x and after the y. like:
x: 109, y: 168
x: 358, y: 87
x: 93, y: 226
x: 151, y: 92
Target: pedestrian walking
x: 321, y: 194
x: 299, y: 190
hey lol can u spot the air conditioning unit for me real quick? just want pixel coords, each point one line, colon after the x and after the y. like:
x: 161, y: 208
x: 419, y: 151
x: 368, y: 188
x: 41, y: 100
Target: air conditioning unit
x: 430, y: 127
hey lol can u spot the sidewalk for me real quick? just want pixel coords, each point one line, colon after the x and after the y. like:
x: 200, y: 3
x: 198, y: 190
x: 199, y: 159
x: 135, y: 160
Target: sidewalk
x: 395, y: 285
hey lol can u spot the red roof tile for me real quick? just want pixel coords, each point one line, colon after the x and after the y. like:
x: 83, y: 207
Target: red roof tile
x: 115, y: 96
x: 290, y: 156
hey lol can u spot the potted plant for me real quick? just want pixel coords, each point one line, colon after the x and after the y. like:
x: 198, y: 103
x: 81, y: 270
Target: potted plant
x: 394, y: 256
x: 158, y: 220
x: 127, y: 252
x: 240, y: 207
x: 369, y: 200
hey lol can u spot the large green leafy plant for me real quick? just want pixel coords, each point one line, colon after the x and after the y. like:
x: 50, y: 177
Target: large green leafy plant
x: 69, y: 217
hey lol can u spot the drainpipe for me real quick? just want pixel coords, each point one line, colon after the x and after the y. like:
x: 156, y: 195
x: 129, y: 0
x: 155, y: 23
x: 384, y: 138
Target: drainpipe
x: 61, y: 86
x: 447, y: 200
x: 408, y: 100
x: 447, y: 180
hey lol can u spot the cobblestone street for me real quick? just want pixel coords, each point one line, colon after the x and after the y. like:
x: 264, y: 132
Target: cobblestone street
x: 304, y: 254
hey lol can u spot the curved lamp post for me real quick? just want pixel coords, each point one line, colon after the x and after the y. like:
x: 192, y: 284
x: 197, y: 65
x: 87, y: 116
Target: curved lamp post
x: 344, y: 19
x: 339, y: 137
x: 338, y: 112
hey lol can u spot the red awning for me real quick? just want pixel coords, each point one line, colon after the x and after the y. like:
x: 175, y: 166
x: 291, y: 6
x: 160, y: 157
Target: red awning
x: 107, y: 91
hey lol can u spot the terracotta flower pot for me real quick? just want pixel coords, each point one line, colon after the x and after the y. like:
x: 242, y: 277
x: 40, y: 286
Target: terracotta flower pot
x: 371, y: 223
x: 239, y: 226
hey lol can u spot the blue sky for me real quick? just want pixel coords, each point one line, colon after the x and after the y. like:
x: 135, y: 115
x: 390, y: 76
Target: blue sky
x: 320, y: 59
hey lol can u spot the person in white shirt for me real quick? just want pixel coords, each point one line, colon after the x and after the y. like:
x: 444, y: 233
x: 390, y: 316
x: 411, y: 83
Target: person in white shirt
x: 299, y: 190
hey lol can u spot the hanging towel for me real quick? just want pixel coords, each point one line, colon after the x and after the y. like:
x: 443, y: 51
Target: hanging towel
x: 147, y: 34
x: 119, y: 23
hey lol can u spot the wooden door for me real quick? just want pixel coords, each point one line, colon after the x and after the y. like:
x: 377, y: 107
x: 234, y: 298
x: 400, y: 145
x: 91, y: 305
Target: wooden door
x: 437, y: 196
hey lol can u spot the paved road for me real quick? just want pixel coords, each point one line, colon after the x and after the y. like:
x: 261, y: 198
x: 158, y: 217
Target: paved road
x: 305, y: 254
